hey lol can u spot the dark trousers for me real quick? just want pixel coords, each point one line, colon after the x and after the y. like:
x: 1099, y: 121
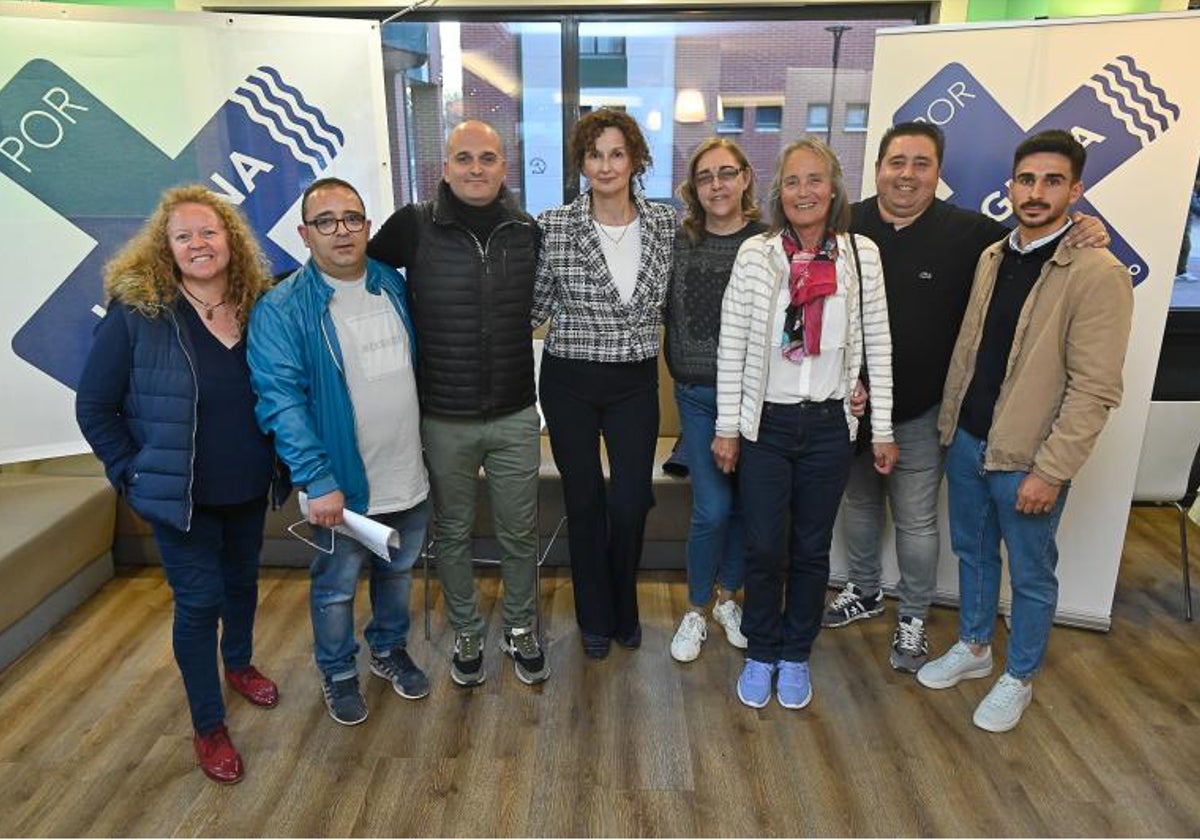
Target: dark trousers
x: 796, y: 470
x: 584, y: 401
x: 213, y: 572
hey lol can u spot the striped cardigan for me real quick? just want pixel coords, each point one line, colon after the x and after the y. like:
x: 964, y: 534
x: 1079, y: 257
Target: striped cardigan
x: 748, y: 312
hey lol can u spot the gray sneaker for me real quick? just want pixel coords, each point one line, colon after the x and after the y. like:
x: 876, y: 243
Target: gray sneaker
x: 466, y: 666
x: 407, y: 679
x: 344, y: 700
x: 521, y: 643
x: 954, y: 666
x: 910, y: 648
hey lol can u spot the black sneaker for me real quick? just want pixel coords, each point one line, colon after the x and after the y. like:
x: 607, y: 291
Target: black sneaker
x: 850, y: 605
x: 466, y: 668
x: 631, y: 640
x: 521, y: 643
x: 345, y: 701
x: 910, y: 648
x: 409, y: 681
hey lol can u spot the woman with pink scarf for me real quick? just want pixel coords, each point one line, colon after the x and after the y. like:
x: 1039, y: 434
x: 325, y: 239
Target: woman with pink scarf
x: 805, y: 311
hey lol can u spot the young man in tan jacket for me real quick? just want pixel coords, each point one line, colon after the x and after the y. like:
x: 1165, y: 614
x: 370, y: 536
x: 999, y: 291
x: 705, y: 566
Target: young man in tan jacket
x: 1035, y: 372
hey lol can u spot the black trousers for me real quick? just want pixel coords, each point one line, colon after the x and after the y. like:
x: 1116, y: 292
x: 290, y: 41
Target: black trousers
x: 584, y: 402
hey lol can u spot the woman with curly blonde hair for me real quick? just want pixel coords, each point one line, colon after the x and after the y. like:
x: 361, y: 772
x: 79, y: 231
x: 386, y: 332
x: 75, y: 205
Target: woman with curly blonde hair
x: 165, y: 402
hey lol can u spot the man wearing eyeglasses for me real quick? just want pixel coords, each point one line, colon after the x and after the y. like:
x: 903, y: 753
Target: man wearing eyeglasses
x: 332, y: 356
x: 470, y: 255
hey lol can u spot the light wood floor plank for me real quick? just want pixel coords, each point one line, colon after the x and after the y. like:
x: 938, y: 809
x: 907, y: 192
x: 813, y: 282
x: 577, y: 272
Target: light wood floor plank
x: 95, y: 738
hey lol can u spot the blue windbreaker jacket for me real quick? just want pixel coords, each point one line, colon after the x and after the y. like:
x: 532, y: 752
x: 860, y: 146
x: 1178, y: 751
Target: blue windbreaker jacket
x: 297, y: 371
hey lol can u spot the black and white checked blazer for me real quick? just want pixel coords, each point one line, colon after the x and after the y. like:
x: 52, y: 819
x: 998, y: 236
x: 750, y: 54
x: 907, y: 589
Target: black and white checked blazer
x: 576, y: 292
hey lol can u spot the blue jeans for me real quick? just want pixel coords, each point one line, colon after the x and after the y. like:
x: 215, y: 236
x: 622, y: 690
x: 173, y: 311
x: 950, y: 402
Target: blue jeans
x: 213, y: 573
x: 795, y: 471
x: 911, y: 491
x: 335, y: 579
x: 716, y: 545
x: 982, y: 513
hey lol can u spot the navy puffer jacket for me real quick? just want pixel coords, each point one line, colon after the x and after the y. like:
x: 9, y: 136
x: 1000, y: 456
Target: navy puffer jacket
x: 136, y: 405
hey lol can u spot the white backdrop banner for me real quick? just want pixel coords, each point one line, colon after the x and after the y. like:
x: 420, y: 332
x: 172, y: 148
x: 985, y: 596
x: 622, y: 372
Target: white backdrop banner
x: 103, y: 109
x: 1126, y: 87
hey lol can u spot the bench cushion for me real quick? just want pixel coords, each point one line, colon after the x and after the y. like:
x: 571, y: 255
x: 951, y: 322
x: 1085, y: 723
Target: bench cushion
x: 53, y: 526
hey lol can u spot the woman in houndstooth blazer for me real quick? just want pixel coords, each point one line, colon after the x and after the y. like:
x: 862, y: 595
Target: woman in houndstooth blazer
x: 601, y: 281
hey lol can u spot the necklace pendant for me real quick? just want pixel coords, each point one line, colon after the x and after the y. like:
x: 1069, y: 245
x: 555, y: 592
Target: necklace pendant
x: 208, y: 314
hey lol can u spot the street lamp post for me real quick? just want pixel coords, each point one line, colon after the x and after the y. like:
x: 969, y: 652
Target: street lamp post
x: 837, y: 30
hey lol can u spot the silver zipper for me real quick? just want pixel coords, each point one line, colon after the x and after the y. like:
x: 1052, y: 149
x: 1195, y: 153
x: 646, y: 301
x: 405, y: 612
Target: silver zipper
x: 195, y: 414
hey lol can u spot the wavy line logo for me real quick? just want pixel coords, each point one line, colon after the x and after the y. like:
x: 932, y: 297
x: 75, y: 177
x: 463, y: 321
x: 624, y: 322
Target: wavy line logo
x: 1116, y: 113
x: 1134, y: 99
x: 59, y: 142
x: 282, y: 110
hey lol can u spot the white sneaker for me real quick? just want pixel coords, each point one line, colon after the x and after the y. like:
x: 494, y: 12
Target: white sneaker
x: 692, y: 632
x: 1001, y: 710
x: 729, y: 615
x: 955, y: 665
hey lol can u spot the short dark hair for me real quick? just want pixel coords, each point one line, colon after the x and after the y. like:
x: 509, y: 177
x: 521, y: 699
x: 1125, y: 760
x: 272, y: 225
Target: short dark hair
x: 321, y: 183
x: 592, y: 125
x: 1058, y: 142
x: 913, y: 128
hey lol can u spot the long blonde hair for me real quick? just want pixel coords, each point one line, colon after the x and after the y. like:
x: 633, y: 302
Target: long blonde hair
x: 144, y: 274
x: 694, y: 216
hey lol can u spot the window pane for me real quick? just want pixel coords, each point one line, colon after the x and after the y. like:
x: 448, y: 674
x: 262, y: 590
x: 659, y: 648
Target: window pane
x: 732, y: 119
x: 818, y: 117
x: 1186, y: 293
x: 768, y: 118
x: 856, y: 116
x: 682, y: 80
x: 506, y: 74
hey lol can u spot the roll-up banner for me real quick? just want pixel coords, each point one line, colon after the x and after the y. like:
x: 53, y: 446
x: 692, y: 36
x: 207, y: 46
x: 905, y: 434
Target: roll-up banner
x: 1126, y: 87
x: 103, y: 109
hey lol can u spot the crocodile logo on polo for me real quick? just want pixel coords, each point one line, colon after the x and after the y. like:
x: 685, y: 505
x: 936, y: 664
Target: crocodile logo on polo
x: 60, y: 143
x: 1115, y: 113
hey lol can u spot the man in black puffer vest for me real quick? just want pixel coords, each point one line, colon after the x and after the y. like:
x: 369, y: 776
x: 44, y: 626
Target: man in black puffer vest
x: 469, y: 256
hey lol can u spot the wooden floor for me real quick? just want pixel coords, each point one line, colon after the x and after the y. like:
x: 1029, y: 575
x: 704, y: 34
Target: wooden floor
x: 95, y: 738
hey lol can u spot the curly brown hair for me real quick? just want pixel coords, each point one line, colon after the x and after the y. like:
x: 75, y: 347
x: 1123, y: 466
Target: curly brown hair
x: 694, y: 216
x: 592, y: 125
x: 144, y: 274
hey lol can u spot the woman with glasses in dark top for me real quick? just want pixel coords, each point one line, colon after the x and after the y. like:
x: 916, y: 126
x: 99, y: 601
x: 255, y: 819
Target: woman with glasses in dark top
x: 165, y: 402
x: 601, y: 279
x: 720, y: 214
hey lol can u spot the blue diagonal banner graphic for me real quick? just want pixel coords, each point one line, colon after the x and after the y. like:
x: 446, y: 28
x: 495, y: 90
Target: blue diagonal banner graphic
x: 59, y: 142
x: 1116, y: 112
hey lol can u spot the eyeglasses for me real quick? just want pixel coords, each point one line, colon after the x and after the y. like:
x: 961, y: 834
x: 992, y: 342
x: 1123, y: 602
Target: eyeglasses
x: 328, y: 225
x: 725, y: 175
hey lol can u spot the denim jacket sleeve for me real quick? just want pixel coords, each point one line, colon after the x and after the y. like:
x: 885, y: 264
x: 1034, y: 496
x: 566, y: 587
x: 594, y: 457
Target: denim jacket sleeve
x: 280, y: 378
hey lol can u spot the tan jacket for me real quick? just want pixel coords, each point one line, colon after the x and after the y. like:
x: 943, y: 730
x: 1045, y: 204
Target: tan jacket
x: 1064, y: 369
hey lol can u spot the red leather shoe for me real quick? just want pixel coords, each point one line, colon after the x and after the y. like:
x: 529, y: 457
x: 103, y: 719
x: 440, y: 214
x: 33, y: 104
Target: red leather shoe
x: 252, y: 685
x: 217, y: 756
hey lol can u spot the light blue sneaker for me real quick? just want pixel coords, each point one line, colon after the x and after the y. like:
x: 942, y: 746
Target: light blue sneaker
x: 794, y: 686
x: 754, y: 685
